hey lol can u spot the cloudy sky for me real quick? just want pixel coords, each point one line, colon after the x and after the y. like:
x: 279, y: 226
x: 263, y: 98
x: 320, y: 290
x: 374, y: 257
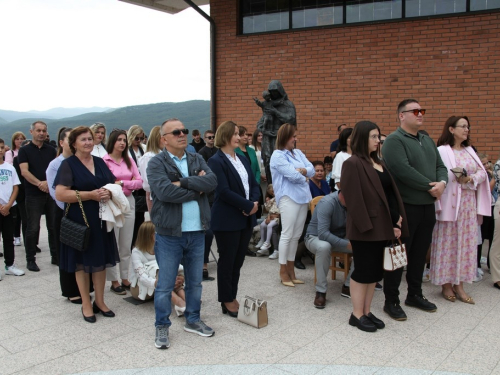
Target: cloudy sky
x: 85, y: 53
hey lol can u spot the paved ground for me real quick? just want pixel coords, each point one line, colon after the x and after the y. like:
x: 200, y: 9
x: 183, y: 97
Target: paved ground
x: 42, y: 333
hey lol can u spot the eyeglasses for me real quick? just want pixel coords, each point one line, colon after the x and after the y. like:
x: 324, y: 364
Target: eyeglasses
x: 415, y: 111
x: 139, y: 139
x: 177, y: 132
x: 374, y: 136
x: 463, y: 126
x: 210, y: 137
x: 381, y: 142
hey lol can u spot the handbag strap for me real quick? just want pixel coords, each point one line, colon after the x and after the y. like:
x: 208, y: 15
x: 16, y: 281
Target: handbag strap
x: 81, y: 208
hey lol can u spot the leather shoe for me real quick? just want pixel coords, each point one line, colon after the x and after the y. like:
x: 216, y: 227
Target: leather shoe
x: 107, y: 314
x: 420, y: 302
x: 250, y: 253
x: 298, y: 264
x: 395, y: 311
x: 38, y: 250
x: 362, y: 323
x: 32, y: 266
x: 89, y: 319
x: 376, y: 321
x: 496, y: 285
x: 225, y: 310
x: 320, y: 300
x: 54, y: 261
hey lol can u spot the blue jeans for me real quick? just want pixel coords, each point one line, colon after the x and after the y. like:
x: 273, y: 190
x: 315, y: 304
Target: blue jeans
x: 170, y: 251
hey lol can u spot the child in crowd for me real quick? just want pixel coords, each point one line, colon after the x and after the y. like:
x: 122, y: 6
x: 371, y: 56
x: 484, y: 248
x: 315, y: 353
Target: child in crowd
x: 143, y: 270
x: 266, y: 227
x: 9, y: 182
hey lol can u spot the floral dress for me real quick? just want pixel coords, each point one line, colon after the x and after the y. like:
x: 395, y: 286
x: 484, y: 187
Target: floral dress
x: 454, y: 243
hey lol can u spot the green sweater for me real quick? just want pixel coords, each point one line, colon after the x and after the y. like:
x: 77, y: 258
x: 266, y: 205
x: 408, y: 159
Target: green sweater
x: 413, y: 164
x: 253, y: 161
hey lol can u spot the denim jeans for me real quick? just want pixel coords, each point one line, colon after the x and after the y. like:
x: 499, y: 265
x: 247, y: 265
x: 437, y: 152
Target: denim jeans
x: 36, y: 206
x: 169, y: 252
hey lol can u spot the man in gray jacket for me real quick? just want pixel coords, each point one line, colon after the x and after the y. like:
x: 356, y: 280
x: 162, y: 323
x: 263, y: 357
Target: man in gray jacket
x: 326, y: 233
x: 179, y: 183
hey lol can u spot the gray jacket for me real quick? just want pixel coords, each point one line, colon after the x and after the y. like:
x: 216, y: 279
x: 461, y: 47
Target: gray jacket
x: 166, y: 213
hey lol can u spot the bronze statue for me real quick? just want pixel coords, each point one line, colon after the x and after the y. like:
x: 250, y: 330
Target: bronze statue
x: 276, y: 111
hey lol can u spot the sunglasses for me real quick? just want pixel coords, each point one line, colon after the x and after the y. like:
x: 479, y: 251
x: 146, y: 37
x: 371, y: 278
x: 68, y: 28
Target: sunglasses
x: 416, y: 111
x: 139, y: 139
x: 210, y: 137
x: 177, y: 132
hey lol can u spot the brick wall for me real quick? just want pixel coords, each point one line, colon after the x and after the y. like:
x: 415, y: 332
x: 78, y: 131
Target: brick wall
x: 346, y: 74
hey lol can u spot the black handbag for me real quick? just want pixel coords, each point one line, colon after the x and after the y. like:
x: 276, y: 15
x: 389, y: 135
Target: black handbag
x: 74, y: 234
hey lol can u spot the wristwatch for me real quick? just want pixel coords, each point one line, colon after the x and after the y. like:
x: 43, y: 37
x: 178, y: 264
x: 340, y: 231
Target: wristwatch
x: 444, y: 182
x: 121, y: 183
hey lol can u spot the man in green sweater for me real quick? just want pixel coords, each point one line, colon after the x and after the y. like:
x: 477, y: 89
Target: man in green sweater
x: 421, y: 177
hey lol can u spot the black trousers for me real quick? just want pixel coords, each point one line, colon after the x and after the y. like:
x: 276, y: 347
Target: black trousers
x: 139, y: 219
x: 232, y: 247
x: 37, y: 205
x: 421, y: 220
x: 7, y: 230
x: 487, y: 229
x: 21, y: 220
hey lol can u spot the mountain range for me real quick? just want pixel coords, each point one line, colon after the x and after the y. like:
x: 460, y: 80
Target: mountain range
x: 194, y: 114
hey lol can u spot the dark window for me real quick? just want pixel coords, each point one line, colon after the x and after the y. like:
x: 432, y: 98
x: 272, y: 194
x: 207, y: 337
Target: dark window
x: 259, y: 16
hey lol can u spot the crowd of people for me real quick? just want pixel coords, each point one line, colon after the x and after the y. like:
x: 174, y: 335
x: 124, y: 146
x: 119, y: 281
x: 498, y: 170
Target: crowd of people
x: 373, y: 190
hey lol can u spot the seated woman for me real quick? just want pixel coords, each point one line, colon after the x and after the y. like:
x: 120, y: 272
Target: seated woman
x: 317, y: 183
x: 143, y: 270
x: 272, y: 220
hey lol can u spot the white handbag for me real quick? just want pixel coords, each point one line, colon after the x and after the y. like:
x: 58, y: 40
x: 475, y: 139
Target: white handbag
x: 253, y: 312
x: 395, y: 256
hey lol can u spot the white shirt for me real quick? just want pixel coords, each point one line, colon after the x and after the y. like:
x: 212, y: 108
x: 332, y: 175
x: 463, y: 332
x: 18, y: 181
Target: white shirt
x: 240, y: 168
x: 340, y: 158
x: 99, y: 151
x: 8, y: 179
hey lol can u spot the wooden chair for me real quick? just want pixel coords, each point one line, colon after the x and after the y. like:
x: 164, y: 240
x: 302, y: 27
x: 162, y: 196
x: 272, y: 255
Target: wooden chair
x: 337, y: 256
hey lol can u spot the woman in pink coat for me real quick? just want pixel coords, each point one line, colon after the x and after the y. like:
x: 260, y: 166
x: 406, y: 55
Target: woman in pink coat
x: 458, y: 212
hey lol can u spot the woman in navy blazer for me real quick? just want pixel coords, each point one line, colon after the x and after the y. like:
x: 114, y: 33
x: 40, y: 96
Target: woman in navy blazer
x: 233, y: 213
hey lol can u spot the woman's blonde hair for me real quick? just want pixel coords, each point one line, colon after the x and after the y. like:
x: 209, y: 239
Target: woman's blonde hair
x: 14, y: 136
x: 224, y: 133
x: 133, y: 132
x: 97, y: 126
x: 154, y: 141
x: 145, y: 240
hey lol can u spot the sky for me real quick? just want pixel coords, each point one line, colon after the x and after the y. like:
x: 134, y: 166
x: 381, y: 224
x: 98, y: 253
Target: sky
x: 105, y: 53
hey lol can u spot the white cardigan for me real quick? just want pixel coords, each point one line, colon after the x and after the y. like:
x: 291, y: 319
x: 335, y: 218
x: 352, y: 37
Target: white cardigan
x: 114, y: 209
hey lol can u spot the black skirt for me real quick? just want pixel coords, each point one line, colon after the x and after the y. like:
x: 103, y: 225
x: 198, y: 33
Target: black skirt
x: 368, y: 261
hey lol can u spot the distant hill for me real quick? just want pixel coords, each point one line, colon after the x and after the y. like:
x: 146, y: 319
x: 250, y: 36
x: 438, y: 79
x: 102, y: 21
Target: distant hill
x: 194, y: 114
x: 3, y: 121
x: 54, y: 113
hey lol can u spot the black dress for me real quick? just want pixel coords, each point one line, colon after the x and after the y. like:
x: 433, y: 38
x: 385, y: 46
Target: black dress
x: 102, y: 251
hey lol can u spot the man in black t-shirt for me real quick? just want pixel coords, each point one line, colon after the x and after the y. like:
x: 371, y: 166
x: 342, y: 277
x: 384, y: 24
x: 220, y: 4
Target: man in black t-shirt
x: 34, y: 159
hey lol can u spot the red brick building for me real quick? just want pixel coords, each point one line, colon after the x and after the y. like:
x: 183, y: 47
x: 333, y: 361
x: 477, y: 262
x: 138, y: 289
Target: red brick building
x: 346, y: 72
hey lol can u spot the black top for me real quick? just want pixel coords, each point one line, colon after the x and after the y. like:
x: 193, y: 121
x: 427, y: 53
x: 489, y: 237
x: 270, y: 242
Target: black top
x: 246, y: 155
x: 207, y: 152
x: 385, y: 180
x: 38, y: 159
x: 198, y: 146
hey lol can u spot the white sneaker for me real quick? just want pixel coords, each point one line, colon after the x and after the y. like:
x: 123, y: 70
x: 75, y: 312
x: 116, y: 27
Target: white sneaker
x: 478, y: 277
x: 480, y: 271
x: 266, y: 246
x: 262, y: 252
x: 274, y: 255
x: 259, y: 244
x: 13, y: 270
x: 180, y: 310
x: 426, y: 276
x: 17, y: 241
x: 484, y: 260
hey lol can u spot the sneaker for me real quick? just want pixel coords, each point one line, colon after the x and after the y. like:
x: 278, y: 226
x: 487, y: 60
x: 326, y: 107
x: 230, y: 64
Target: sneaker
x: 265, y: 246
x: 395, y: 311
x: 32, y: 266
x: 378, y: 286
x: 480, y: 271
x: 426, y: 277
x: 199, y: 328
x: 161, y: 339
x: 13, y: 270
x: 420, y: 302
x: 259, y: 244
x: 484, y: 260
x: 346, y: 291
x: 478, y: 277
x: 274, y: 255
x: 17, y: 241
x: 262, y: 252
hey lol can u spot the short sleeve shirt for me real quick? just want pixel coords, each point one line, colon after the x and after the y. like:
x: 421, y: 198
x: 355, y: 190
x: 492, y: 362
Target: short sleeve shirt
x: 38, y: 159
x: 8, y: 179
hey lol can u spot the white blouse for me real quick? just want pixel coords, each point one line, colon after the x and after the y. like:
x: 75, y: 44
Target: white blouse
x: 240, y: 168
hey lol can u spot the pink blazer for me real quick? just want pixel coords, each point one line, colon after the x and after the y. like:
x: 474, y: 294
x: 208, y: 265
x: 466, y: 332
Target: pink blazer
x: 447, y: 206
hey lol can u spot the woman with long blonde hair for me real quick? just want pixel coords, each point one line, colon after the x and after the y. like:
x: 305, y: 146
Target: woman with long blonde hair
x: 153, y: 147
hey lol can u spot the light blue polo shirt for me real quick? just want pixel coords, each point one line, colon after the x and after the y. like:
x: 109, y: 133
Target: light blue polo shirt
x: 191, y: 218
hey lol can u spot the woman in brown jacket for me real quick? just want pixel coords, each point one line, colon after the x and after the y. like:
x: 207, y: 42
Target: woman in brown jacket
x: 375, y: 216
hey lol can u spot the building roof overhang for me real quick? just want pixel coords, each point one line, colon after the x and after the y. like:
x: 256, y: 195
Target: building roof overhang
x: 168, y: 6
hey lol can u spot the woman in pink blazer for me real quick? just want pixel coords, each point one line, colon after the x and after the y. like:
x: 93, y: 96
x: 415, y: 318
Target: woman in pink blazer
x: 459, y: 212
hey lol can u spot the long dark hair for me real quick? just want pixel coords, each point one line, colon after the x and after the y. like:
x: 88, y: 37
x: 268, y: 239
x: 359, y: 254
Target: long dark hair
x: 447, y: 138
x: 113, y: 137
x: 360, y: 138
x: 61, y: 136
x: 255, y: 135
x: 346, y: 133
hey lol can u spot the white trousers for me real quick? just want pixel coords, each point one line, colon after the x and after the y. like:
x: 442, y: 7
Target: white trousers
x: 124, y: 241
x: 293, y: 217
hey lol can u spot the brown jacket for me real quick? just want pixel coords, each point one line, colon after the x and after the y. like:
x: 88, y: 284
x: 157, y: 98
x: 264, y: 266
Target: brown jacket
x: 368, y: 215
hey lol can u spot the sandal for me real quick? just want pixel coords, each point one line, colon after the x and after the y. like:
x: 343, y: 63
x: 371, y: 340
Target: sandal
x: 468, y: 300
x: 452, y: 298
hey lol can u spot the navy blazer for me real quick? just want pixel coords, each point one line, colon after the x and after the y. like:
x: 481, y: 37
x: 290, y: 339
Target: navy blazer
x: 230, y: 200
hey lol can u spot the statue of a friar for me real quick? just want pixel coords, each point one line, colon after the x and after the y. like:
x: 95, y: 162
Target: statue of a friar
x: 276, y: 111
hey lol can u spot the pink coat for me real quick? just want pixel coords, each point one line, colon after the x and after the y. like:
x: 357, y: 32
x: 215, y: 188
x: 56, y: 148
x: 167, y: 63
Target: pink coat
x: 447, y: 206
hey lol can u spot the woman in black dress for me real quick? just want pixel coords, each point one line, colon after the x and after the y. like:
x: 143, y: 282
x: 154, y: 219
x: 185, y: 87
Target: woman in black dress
x: 85, y: 175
